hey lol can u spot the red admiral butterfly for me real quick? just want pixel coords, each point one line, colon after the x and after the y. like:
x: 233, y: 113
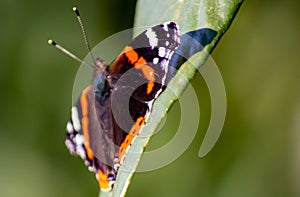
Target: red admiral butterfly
x: 98, y: 131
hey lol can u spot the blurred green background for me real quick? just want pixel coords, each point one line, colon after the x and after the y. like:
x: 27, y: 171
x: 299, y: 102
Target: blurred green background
x: 258, y: 153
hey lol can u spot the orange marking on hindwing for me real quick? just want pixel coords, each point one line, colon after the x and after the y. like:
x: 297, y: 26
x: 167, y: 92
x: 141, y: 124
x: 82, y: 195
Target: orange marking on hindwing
x: 128, y: 140
x: 85, y: 122
x: 141, y: 64
x: 103, y: 181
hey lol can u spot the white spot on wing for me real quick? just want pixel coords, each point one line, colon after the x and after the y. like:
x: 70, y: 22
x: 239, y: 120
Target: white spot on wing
x: 69, y: 128
x: 70, y: 146
x: 152, y: 37
x: 165, y: 26
x: 75, y: 119
x: 79, y: 139
x: 166, y: 71
x: 164, y: 65
x: 155, y: 60
x: 161, y: 52
x: 81, y: 152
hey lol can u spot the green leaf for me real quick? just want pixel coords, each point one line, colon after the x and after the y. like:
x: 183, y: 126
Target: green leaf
x: 190, y: 15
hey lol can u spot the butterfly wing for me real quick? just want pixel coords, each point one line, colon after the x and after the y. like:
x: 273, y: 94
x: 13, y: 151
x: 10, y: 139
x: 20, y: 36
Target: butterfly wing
x: 138, y: 77
x: 86, y: 138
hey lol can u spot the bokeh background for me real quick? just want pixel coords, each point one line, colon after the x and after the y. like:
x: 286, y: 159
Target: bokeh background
x: 258, y: 153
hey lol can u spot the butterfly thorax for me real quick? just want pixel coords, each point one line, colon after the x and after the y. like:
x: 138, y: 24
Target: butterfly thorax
x: 101, y: 81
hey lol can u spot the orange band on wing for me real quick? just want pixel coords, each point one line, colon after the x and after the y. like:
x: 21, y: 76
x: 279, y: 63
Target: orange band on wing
x: 148, y: 72
x: 85, y: 122
x: 128, y: 140
x: 103, y: 181
x: 141, y: 64
x: 130, y: 54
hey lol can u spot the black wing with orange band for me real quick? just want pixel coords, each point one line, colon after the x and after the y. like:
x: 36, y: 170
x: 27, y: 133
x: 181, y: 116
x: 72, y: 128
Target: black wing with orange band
x: 111, y: 112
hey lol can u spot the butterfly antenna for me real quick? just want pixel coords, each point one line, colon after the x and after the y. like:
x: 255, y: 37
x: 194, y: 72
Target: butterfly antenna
x: 84, y: 33
x: 69, y: 53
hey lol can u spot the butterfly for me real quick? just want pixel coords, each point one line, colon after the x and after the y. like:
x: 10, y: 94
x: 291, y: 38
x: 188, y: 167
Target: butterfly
x: 112, y: 110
